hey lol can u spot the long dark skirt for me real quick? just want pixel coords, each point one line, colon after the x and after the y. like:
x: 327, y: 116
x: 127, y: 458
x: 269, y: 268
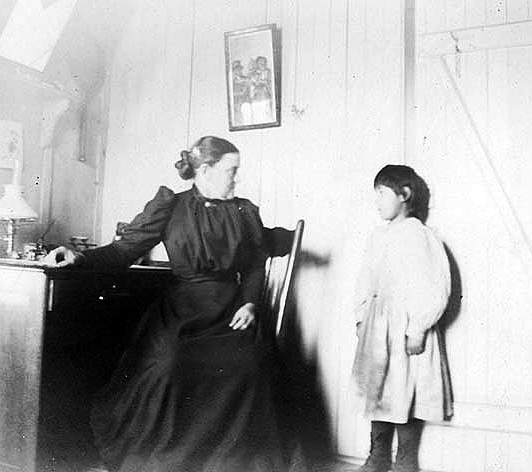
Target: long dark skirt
x: 190, y: 394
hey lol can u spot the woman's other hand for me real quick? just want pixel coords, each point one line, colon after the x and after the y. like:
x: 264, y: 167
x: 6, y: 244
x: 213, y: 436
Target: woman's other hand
x: 60, y: 257
x: 415, y: 344
x: 244, y: 317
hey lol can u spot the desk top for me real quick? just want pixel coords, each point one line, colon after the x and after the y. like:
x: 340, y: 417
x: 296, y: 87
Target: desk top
x: 27, y: 264
x: 21, y: 263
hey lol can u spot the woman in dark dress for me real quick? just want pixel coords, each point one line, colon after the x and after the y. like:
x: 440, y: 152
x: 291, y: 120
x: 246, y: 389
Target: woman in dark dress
x: 192, y: 392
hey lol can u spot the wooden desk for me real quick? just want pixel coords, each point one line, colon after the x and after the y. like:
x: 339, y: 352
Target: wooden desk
x: 61, y: 334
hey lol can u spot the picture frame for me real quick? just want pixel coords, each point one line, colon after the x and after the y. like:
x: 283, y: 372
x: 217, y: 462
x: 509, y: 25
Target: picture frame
x: 253, y: 77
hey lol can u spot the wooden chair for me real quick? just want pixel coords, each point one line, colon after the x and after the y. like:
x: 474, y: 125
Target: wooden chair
x: 284, y: 248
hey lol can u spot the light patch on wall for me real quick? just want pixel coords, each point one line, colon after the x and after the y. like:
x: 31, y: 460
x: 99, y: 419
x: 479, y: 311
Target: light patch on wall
x: 10, y: 144
x: 32, y: 31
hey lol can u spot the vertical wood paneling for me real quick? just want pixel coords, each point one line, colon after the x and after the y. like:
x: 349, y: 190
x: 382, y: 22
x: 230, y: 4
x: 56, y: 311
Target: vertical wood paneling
x: 475, y: 13
x: 333, y: 346
x: 313, y: 176
x: 456, y: 13
x: 519, y: 98
x: 446, y: 15
x: 434, y: 15
x: 511, y: 142
x: 517, y: 10
x: 278, y: 169
x: 459, y: 449
x: 488, y: 342
x: 499, y: 133
x: 374, y: 136
x: 209, y: 108
x: 495, y: 11
x: 507, y: 453
x: 149, y: 97
x: 175, y: 97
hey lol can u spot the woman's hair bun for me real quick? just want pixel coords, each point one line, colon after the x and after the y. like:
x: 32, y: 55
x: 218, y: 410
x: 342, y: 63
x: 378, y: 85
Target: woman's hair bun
x: 184, y: 166
x: 206, y: 150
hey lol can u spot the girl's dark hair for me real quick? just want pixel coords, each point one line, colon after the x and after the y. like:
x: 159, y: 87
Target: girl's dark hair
x: 206, y: 150
x: 397, y: 177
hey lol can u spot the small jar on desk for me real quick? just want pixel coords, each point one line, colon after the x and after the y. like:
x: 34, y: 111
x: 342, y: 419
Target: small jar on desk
x: 34, y: 251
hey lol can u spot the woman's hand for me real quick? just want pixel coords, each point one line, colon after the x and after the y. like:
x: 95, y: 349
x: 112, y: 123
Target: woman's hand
x: 60, y: 257
x: 358, y: 325
x: 415, y: 344
x: 244, y: 317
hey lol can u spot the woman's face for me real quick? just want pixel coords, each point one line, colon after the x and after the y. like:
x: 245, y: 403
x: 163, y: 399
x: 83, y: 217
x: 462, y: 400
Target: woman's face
x: 222, y: 176
x: 390, y: 205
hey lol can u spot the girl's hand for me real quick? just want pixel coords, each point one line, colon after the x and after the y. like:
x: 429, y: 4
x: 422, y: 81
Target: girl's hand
x: 244, y: 317
x: 415, y: 344
x: 60, y: 257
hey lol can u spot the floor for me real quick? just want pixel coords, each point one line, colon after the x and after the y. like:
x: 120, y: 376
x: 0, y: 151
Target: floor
x: 337, y: 466
x: 81, y: 466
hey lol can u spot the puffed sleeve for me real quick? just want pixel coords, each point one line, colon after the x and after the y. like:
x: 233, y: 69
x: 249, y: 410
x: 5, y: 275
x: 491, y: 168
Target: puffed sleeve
x: 142, y: 234
x: 424, y: 278
x: 252, y: 275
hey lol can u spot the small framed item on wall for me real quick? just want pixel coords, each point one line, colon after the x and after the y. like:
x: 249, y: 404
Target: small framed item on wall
x: 11, y: 144
x: 253, y: 77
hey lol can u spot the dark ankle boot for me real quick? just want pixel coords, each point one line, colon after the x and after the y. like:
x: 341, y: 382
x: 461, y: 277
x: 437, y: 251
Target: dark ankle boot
x: 380, y: 453
x: 408, y: 437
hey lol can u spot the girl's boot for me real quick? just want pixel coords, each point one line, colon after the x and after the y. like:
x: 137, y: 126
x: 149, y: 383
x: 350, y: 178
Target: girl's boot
x: 408, y: 438
x: 380, y: 454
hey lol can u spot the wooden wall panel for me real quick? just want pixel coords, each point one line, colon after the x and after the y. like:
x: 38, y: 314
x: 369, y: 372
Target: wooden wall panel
x: 374, y: 136
x: 278, y: 172
x: 149, y: 113
x: 446, y: 15
x: 473, y: 142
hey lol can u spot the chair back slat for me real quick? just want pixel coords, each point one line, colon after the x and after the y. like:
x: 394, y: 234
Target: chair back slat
x: 279, y: 274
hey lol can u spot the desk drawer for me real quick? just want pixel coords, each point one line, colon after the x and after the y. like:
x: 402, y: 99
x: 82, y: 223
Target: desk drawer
x: 89, y: 306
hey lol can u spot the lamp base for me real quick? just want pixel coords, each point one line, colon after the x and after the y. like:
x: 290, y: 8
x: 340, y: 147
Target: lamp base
x: 10, y: 239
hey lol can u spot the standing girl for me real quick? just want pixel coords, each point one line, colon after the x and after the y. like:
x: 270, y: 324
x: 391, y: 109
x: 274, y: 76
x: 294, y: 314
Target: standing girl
x: 400, y: 370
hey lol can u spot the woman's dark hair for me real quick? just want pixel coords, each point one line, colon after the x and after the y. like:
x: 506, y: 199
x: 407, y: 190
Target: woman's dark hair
x: 397, y: 177
x: 206, y: 150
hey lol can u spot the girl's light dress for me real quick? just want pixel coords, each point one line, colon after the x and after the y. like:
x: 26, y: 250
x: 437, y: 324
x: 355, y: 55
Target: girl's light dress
x: 403, y: 289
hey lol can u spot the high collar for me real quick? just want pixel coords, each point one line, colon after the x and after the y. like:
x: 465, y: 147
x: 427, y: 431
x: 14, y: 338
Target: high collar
x: 202, y: 198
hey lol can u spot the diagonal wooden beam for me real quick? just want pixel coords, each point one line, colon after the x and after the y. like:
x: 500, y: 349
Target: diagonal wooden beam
x: 482, y: 156
x: 508, y: 35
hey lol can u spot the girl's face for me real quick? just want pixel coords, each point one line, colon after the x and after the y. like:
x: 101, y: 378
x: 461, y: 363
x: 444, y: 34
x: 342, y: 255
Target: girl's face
x: 222, y: 176
x: 390, y: 205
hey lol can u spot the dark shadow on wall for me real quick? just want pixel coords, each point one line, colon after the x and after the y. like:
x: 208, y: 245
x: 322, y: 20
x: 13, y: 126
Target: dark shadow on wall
x: 452, y: 311
x: 455, y: 299
x: 300, y: 398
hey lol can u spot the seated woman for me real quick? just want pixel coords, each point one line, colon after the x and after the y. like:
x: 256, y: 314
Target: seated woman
x: 192, y: 392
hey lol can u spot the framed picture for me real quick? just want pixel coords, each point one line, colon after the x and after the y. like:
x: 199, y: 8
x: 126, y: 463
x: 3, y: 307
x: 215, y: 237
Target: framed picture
x: 253, y: 76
